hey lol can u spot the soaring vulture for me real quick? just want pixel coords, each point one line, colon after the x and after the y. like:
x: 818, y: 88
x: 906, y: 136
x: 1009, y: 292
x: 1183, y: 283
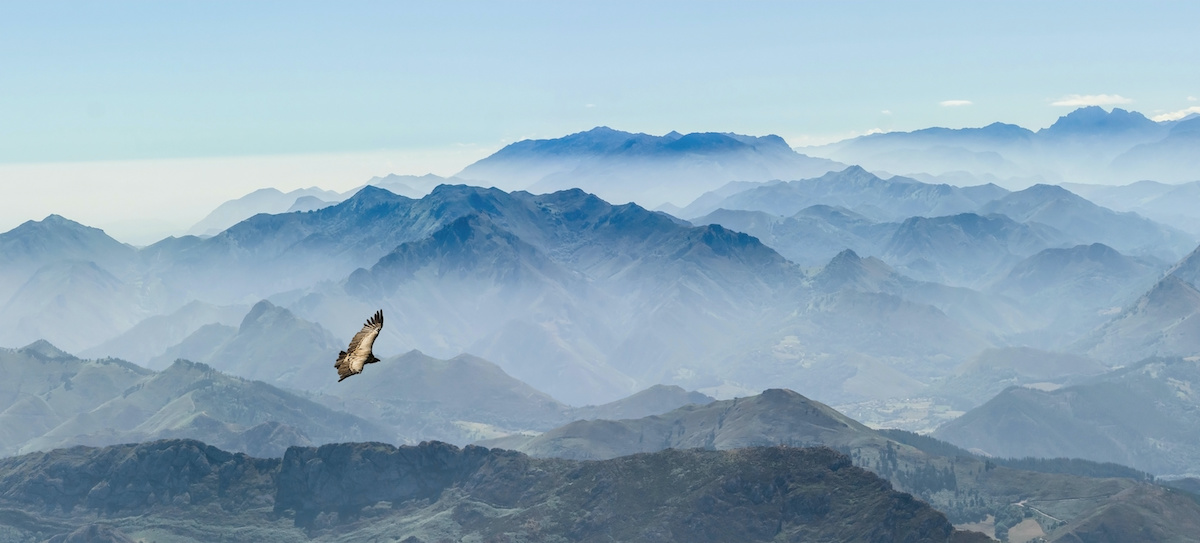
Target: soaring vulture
x: 358, y: 354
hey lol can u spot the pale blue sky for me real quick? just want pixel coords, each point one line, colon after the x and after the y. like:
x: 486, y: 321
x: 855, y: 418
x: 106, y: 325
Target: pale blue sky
x: 130, y: 80
x: 140, y: 117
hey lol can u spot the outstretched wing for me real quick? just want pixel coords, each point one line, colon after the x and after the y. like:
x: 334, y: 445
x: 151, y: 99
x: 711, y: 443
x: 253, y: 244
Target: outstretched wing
x: 352, y: 360
x: 363, y: 341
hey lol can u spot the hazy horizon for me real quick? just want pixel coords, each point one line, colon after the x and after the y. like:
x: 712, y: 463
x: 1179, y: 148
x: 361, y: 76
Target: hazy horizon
x: 182, y: 106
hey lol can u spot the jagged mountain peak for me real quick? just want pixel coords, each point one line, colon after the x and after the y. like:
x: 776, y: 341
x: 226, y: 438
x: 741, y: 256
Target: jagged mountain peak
x: 1092, y: 120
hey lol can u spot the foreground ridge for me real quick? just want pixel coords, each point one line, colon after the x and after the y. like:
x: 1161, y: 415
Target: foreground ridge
x: 186, y: 490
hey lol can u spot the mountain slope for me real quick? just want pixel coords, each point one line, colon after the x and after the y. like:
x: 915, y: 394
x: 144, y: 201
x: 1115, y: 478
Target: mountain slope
x: 1086, y: 222
x: 727, y: 424
x: 992, y: 371
x: 44, y: 386
x: 1142, y: 416
x: 274, y: 346
x: 1076, y: 288
x: 1172, y: 159
x: 459, y: 400
x: 651, y: 401
x: 74, y: 304
x: 194, y: 400
x: 154, y: 335
x: 1163, y: 322
x: 1174, y: 205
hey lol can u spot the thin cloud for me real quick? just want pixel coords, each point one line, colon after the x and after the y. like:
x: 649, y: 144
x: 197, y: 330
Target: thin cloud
x: 1176, y: 115
x: 886, y: 112
x: 1191, y: 98
x: 955, y: 103
x: 1081, y: 100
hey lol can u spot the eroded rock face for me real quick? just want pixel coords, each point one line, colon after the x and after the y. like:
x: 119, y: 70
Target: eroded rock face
x: 695, y: 495
x: 346, y: 477
x: 132, y: 478
x: 437, y: 492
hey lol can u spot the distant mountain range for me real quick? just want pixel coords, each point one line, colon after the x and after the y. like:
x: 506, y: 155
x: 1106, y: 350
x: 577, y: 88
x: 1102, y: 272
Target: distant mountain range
x: 971, y: 248
x: 871, y: 199
x: 1174, y: 205
x: 268, y: 200
x: 854, y: 188
x: 1084, y: 146
x: 582, y: 299
x: 649, y: 170
x: 590, y: 302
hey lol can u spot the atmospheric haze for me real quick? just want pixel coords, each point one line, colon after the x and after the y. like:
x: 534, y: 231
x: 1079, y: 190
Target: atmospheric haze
x: 707, y: 273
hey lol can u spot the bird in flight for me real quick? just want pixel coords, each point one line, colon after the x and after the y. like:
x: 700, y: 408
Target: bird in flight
x: 358, y: 354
